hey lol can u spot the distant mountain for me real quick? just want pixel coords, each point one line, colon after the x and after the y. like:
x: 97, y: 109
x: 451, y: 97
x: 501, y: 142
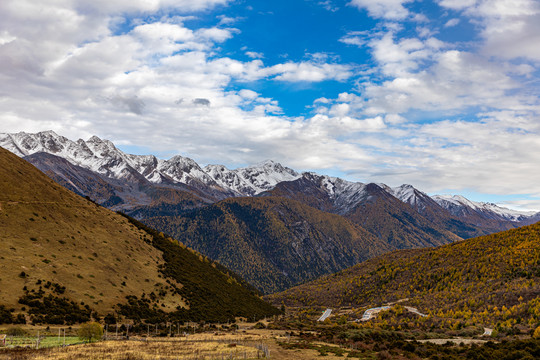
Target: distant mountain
x: 136, y: 196
x: 376, y: 208
x: 216, y: 182
x: 492, y: 280
x: 102, y: 157
x: 65, y: 258
x: 272, y: 242
x: 484, y: 214
x: 251, y: 180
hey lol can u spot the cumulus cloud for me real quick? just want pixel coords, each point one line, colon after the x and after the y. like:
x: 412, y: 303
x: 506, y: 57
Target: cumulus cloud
x: 451, y: 23
x: 508, y: 27
x: 387, y: 9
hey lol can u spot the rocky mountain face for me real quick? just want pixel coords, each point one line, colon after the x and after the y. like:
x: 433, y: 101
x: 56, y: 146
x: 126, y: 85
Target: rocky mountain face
x: 102, y: 157
x: 403, y: 215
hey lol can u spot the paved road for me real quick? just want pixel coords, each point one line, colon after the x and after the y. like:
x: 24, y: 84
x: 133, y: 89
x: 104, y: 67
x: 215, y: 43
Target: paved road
x: 369, y: 313
x: 325, y: 315
x: 414, y: 311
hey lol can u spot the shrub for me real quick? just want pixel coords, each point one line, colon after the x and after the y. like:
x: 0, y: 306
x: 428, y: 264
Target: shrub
x: 6, y: 316
x: 536, y: 333
x: 90, y: 331
x: 260, y: 325
x: 16, y: 331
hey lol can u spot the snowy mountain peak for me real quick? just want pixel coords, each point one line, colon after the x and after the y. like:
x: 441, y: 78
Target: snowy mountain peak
x: 182, y: 161
x: 251, y: 180
x: 266, y: 163
x: 458, y: 204
x: 407, y: 193
x: 102, y: 156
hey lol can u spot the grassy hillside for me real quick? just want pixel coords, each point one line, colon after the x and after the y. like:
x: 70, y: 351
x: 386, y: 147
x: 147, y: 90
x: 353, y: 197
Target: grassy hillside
x: 272, y: 242
x: 494, y: 279
x: 57, y: 245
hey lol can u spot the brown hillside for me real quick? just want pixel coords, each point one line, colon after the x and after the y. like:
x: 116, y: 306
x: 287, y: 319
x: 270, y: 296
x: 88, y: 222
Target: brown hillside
x: 54, y: 239
x: 52, y: 234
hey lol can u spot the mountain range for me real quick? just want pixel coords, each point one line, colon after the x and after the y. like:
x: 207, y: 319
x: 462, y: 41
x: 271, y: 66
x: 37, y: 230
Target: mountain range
x: 66, y: 259
x: 212, y: 208
x: 216, y: 182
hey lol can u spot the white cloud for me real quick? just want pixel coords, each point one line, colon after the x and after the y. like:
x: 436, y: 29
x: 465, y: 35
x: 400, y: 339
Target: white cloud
x: 147, y: 6
x: 226, y: 20
x: 457, y: 4
x: 255, y: 55
x: 6, y: 38
x: 357, y: 38
x: 451, y: 23
x: 309, y: 72
x: 508, y: 27
x: 216, y: 34
x: 387, y: 9
x: 329, y: 5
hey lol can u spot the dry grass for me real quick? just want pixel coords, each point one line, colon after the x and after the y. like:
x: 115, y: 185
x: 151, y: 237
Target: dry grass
x: 210, y: 346
x: 141, y: 350
x: 53, y: 234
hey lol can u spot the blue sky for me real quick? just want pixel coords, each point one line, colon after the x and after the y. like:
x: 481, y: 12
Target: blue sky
x: 441, y: 94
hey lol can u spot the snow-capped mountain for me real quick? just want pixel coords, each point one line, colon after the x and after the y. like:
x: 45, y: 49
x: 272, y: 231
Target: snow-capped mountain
x: 251, y: 180
x: 102, y: 157
x: 344, y: 194
x: 408, y: 194
x: 460, y: 206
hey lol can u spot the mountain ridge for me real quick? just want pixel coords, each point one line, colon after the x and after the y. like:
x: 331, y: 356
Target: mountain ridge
x: 215, y: 181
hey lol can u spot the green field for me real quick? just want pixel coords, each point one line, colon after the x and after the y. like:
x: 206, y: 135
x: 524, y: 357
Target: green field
x: 45, y: 342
